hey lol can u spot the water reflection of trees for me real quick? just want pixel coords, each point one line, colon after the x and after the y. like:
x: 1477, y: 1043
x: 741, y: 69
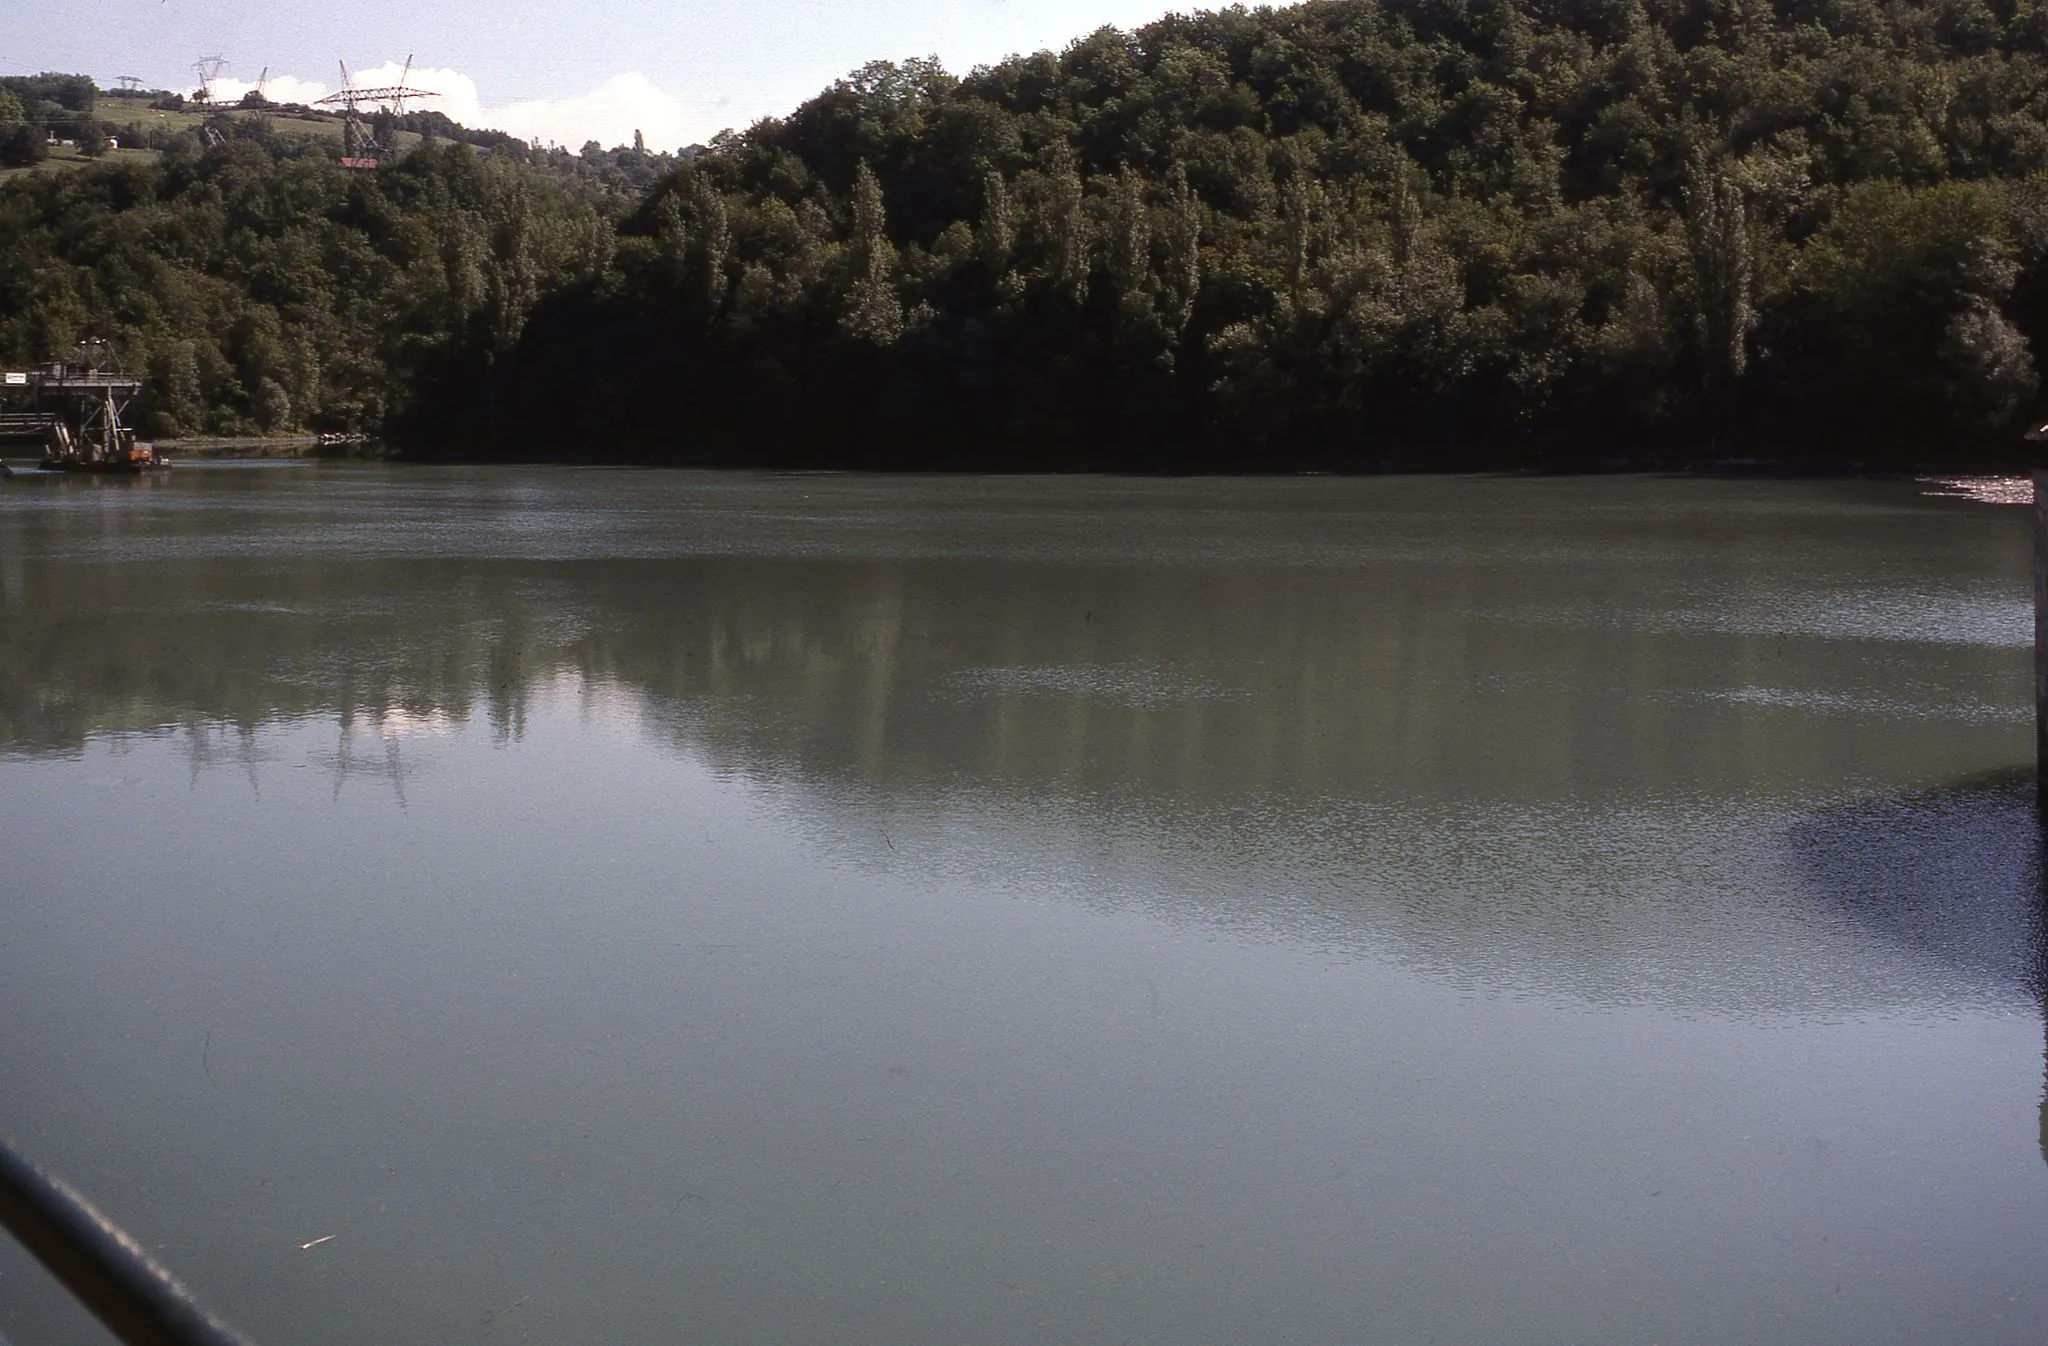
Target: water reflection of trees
x: 223, y: 652
x: 1385, y: 730
x: 1953, y: 876
x: 1187, y: 680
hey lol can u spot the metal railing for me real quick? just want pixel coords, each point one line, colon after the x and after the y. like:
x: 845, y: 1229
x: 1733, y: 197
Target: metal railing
x: 26, y: 424
x: 104, y: 1269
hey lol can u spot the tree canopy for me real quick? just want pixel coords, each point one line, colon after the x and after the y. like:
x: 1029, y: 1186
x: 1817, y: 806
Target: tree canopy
x: 1350, y: 234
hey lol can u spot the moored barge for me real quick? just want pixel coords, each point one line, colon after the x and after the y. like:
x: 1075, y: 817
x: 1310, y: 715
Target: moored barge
x: 75, y: 408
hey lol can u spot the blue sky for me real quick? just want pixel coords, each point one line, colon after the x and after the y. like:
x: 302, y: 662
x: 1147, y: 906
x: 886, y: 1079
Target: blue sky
x: 555, y: 72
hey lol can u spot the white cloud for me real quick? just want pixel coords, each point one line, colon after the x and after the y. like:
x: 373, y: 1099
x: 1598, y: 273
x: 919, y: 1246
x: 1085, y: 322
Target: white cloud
x: 282, y: 89
x: 608, y: 114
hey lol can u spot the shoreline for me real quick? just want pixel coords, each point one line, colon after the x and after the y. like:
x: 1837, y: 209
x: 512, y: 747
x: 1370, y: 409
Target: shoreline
x: 271, y: 446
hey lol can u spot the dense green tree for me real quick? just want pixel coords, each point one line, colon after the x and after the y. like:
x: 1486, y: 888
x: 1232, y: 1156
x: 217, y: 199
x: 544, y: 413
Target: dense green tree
x: 262, y: 286
x: 874, y: 313
x: 1366, y: 232
x: 21, y: 145
x: 1347, y: 234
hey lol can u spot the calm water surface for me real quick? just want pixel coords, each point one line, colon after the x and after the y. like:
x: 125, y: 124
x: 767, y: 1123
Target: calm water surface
x: 614, y: 906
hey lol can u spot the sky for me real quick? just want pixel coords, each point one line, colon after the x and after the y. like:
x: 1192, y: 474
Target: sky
x: 554, y: 72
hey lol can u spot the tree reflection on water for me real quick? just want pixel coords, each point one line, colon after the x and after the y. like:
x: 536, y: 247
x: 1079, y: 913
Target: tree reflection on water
x: 1952, y: 875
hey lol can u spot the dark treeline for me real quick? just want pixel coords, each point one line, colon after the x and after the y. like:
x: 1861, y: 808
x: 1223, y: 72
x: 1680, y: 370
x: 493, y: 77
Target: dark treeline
x: 1350, y: 234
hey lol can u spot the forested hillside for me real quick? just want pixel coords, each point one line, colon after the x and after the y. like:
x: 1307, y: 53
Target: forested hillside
x: 265, y: 289
x: 1344, y: 235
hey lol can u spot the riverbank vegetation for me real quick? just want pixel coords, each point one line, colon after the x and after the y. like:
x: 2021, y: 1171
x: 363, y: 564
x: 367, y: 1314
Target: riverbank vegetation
x: 1355, y: 234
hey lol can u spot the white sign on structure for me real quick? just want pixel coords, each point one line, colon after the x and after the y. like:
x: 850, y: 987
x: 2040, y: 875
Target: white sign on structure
x: 15, y: 380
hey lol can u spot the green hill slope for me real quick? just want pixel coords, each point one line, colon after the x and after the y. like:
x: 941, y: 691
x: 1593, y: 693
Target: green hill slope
x: 1348, y: 234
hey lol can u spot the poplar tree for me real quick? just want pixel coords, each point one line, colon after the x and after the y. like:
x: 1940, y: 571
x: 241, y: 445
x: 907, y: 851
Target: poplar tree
x: 1717, y: 232
x: 1182, y: 236
x: 874, y: 313
x: 714, y: 239
x: 1067, y: 223
x: 997, y: 237
x: 1130, y: 257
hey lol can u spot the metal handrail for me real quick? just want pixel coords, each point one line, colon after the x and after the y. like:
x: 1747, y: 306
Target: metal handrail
x: 103, y: 1268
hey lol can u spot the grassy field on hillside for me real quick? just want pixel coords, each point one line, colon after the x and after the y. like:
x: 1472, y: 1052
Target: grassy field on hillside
x: 125, y: 113
x: 66, y: 157
x: 128, y: 118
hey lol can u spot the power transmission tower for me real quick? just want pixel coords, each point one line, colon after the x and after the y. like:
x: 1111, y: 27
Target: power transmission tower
x: 362, y: 144
x: 208, y: 69
x: 128, y: 83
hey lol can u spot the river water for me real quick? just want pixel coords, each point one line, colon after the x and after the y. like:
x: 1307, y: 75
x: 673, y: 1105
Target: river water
x: 554, y: 905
